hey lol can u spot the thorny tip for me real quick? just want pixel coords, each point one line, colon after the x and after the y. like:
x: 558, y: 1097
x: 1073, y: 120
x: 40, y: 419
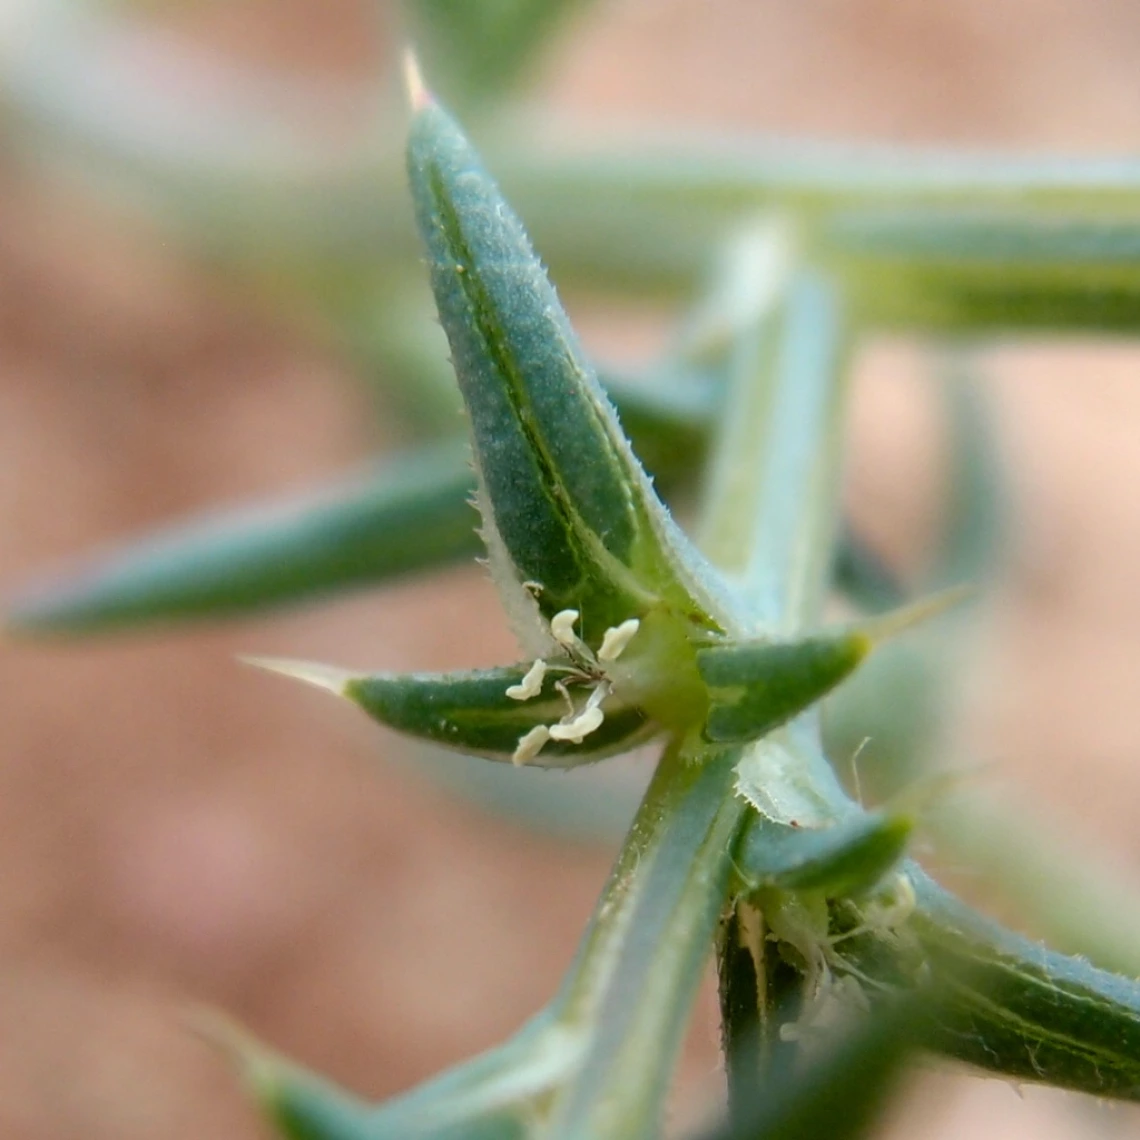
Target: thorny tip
x: 253, y: 1063
x: 327, y: 677
x: 916, y: 613
x: 415, y: 89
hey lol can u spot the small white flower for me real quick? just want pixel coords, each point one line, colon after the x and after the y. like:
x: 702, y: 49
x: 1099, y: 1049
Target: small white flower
x: 578, y: 723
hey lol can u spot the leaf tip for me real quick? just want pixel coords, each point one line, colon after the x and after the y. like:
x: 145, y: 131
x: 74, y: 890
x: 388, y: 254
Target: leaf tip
x: 328, y: 677
x: 415, y: 89
x: 254, y: 1064
x: 916, y: 613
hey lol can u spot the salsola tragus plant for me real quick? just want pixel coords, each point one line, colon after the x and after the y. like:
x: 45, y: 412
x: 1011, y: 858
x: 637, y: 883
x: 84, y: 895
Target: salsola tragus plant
x: 836, y: 953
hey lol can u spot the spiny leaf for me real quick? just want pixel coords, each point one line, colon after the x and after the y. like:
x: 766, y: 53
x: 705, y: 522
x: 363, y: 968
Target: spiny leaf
x: 471, y: 712
x: 844, y: 859
x: 755, y: 686
x: 566, y: 506
x: 300, y: 1105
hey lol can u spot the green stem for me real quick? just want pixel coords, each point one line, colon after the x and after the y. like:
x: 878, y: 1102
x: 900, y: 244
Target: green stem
x: 771, y: 519
x: 644, y: 958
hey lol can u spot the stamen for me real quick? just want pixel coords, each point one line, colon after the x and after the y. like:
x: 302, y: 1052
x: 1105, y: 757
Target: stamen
x: 601, y: 691
x: 531, y: 744
x: 562, y: 628
x: 531, y: 684
x: 571, y: 712
x: 590, y: 720
x: 616, y: 638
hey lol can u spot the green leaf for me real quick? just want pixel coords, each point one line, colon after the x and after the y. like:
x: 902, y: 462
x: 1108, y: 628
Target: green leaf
x: 471, y: 712
x: 849, y: 857
x: 987, y: 271
x: 757, y: 686
x: 566, y: 506
x: 838, y: 1094
x: 483, y: 48
x: 410, y: 514
x: 1012, y: 1006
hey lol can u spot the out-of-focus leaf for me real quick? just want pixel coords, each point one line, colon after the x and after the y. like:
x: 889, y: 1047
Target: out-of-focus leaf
x: 861, y: 575
x: 837, y: 1094
x: 411, y: 514
x: 848, y: 857
x: 480, y: 49
x: 985, y: 271
x: 890, y: 714
x: 975, y: 516
x: 666, y: 416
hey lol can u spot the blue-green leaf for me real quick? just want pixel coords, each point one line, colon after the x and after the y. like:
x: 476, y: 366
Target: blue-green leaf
x: 407, y: 514
x: 1012, y: 1006
x: 844, y: 859
x: 757, y: 686
x: 568, y: 512
x: 300, y: 1105
x: 410, y: 514
x: 474, y: 712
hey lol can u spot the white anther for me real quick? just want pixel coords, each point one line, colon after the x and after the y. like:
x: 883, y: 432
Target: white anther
x: 531, y: 744
x: 616, y: 638
x: 531, y: 684
x: 562, y: 628
x: 580, y: 727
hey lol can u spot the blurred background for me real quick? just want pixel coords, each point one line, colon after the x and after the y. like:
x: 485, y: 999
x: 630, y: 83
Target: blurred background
x: 177, y: 830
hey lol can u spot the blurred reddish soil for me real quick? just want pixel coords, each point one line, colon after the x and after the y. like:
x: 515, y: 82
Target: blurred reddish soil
x: 177, y: 830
